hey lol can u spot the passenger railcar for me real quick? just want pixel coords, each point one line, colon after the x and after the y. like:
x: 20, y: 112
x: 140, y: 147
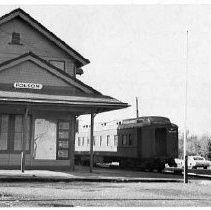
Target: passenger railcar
x: 144, y: 142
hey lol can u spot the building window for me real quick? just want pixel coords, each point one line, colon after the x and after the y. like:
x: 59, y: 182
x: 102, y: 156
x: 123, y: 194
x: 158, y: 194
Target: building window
x: 63, y: 140
x: 4, y: 125
x: 83, y: 141
x: 87, y: 141
x: 101, y: 140
x: 94, y: 140
x: 130, y: 140
x: 79, y: 141
x: 124, y: 139
x: 15, y: 38
x: 11, y: 133
x: 58, y: 64
x: 115, y: 140
x: 108, y: 140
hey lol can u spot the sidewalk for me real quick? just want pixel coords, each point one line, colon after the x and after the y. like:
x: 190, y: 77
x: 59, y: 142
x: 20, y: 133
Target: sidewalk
x: 83, y: 174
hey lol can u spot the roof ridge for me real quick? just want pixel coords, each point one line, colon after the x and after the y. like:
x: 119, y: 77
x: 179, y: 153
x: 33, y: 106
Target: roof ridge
x: 21, y: 11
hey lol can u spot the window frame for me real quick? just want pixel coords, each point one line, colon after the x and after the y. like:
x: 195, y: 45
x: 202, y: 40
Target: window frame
x: 116, y: 140
x: 124, y: 139
x: 130, y: 139
x: 63, y: 139
x: 59, y: 61
x: 11, y: 133
x: 12, y: 41
x: 79, y: 141
x: 107, y: 140
x: 101, y: 141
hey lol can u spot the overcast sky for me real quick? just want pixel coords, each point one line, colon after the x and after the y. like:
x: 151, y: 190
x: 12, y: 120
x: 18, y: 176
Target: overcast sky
x: 140, y: 51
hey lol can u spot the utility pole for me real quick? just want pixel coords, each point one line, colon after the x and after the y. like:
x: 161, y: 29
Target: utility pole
x: 137, y: 114
x: 185, y: 126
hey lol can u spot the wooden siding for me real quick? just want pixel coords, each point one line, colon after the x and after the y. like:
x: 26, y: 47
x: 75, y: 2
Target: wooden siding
x: 30, y: 72
x: 7, y: 160
x: 32, y: 40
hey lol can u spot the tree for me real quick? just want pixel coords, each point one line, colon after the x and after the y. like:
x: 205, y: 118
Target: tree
x: 195, y: 145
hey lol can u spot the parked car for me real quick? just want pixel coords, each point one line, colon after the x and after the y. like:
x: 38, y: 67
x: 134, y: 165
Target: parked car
x: 179, y: 162
x: 197, y: 161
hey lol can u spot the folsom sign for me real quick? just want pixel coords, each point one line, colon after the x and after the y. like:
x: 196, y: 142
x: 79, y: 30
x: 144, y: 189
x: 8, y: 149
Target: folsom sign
x: 28, y: 85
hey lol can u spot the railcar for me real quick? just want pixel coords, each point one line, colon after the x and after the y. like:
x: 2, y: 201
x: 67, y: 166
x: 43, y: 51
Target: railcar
x: 139, y: 143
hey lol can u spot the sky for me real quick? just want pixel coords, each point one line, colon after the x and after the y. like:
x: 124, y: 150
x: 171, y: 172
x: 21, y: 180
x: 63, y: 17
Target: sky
x: 140, y: 51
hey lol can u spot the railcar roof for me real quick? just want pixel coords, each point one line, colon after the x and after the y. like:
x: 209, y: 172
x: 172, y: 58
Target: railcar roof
x: 144, y: 121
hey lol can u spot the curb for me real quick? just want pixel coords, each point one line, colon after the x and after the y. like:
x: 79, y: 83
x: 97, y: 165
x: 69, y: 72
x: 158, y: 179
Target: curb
x: 204, y: 176
x: 116, y: 180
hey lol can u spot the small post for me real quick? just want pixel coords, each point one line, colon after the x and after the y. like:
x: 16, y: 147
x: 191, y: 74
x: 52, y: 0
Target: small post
x: 91, y: 141
x: 24, y: 140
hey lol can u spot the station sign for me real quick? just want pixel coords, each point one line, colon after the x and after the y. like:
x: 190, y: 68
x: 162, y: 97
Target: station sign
x: 28, y: 85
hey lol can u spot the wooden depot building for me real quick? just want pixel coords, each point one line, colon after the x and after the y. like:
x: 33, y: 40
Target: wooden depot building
x: 40, y: 96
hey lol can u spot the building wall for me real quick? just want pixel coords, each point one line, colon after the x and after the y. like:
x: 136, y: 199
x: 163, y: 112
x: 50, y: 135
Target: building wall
x: 31, y: 40
x: 30, y: 72
x: 14, y: 159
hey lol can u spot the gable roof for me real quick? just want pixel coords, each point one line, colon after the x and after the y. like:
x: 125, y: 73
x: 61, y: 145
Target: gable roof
x: 80, y: 60
x: 50, y: 68
x: 89, y: 99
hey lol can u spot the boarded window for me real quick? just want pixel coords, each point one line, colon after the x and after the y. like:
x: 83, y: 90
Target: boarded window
x: 45, y: 139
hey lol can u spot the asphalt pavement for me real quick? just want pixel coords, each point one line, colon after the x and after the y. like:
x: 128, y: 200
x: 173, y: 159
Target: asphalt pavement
x: 82, y: 173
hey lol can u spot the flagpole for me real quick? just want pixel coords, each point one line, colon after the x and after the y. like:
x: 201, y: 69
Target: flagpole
x: 185, y: 124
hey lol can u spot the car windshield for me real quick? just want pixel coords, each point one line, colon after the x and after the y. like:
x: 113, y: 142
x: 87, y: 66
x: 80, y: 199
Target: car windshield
x: 198, y: 158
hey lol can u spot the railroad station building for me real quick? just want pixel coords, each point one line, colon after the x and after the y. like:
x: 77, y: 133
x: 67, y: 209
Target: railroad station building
x: 40, y: 96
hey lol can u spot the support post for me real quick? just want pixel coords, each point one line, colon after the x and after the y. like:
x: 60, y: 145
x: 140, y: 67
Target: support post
x: 24, y: 140
x: 91, y: 141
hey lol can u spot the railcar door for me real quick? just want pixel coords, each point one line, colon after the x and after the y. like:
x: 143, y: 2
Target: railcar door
x: 160, y: 141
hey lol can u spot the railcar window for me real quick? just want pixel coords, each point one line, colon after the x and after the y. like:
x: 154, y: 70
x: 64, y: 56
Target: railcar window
x: 83, y: 141
x: 115, y: 140
x: 124, y: 140
x: 108, y: 140
x: 94, y: 140
x: 101, y: 139
x: 130, y: 140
